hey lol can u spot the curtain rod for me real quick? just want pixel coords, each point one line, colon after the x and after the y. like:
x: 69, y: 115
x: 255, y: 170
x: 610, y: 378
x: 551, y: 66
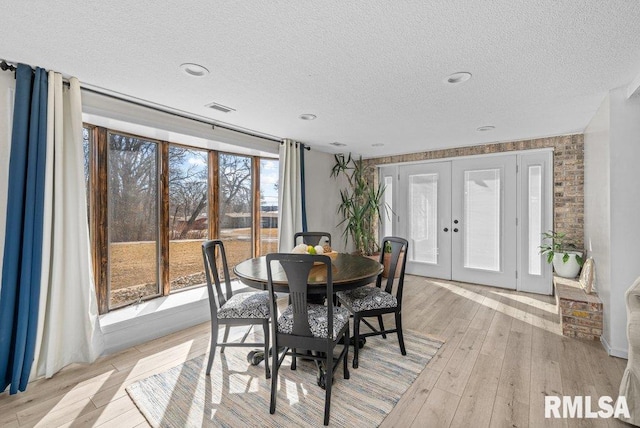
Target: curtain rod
x: 304, y: 146
x: 5, y: 66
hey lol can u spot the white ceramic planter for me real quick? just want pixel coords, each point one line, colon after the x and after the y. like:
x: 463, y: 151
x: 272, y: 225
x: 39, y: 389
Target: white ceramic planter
x: 571, y: 268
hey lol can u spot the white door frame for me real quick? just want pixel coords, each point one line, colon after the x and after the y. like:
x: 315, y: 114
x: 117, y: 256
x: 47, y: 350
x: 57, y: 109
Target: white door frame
x: 526, y: 280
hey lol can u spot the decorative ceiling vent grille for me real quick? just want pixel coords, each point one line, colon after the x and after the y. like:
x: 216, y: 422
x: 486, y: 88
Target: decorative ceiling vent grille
x: 220, y: 107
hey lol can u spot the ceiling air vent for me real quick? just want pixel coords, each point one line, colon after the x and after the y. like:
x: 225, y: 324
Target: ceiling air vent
x: 220, y: 107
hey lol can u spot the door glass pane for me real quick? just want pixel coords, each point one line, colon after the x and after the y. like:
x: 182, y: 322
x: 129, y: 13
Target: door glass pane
x: 235, y: 207
x: 269, y: 205
x: 188, y: 221
x: 482, y: 219
x: 535, y: 219
x: 387, y: 219
x: 133, y: 219
x: 423, y: 217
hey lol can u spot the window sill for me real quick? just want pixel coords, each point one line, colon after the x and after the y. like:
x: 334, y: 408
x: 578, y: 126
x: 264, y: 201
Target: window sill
x: 135, y: 324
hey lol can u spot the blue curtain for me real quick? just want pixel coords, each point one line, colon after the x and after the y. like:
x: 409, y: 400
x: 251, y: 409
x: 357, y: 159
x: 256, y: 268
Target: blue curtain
x: 19, y: 297
x: 303, y: 196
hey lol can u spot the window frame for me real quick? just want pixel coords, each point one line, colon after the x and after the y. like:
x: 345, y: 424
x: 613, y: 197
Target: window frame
x: 99, y: 209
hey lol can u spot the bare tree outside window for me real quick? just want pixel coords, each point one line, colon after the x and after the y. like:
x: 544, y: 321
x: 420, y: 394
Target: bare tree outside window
x: 188, y: 220
x: 133, y: 218
x: 235, y: 206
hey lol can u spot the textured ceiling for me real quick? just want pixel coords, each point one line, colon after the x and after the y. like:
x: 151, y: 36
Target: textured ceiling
x: 372, y: 71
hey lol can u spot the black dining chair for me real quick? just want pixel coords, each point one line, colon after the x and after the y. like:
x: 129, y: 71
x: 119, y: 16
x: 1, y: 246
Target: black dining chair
x: 228, y: 309
x: 312, y: 238
x: 306, y: 326
x: 368, y: 301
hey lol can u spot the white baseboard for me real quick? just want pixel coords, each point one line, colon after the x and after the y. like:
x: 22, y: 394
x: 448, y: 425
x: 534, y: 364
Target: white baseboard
x: 614, y: 352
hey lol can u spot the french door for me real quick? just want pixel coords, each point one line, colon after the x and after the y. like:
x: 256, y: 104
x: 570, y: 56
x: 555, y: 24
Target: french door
x: 461, y: 218
x: 424, y: 216
x: 484, y: 221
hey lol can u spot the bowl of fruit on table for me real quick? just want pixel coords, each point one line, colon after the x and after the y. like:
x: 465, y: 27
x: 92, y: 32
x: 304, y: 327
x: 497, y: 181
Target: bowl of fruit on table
x: 313, y: 250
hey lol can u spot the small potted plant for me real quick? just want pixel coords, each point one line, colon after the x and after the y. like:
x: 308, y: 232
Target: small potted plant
x: 563, y: 254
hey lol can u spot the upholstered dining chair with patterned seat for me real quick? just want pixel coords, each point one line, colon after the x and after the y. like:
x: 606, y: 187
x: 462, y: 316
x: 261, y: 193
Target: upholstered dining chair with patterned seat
x: 228, y: 309
x: 315, y: 328
x: 368, y: 301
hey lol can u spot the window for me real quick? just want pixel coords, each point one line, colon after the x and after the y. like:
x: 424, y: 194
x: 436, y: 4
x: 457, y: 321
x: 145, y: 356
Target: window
x: 133, y: 219
x: 188, y: 215
x: 269, y: 176
x: 152, y: 203
x: 236, y: 213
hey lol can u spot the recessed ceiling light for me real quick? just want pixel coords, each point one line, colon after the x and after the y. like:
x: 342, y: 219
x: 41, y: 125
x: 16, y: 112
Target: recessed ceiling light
x: 377, y: 145
x: 486, y: 128
x: 459, y: 77
x: 195, y: 70
x: 308, y: 116
x: 337, y: 144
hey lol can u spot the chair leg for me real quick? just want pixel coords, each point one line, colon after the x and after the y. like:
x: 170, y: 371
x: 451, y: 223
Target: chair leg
x: 328, y: 381
x: 399, y: 328
x: 214, y: 343
x: 265, y: 329
x: 225, y: 338
x: 384, y: 335
x: 345, y: 360
x: 356, y: 338
x: 274, y: 378
x: 293, y: 359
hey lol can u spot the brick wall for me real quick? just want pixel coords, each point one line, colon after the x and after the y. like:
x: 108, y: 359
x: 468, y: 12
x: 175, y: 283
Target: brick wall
x: 568, y: 171
x: 580, y: 313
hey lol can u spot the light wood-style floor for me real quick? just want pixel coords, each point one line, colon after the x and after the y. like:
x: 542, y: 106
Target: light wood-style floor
x: 503, y: 353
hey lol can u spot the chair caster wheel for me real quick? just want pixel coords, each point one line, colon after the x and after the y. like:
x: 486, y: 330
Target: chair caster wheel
x: 255, y: 357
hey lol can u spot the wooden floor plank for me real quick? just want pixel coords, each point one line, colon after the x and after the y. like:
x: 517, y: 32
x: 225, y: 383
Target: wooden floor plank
x: 456, y: 373
x: 437, y: 410
x: 408, y: 407
x: 121, y: 413
x: 479, y: 394
x: 546, y: 377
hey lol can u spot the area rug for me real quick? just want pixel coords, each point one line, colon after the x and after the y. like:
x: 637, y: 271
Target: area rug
x: 237, y: 394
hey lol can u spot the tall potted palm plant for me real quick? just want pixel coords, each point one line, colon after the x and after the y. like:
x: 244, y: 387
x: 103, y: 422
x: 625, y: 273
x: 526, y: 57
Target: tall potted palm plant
x: 361, y: 204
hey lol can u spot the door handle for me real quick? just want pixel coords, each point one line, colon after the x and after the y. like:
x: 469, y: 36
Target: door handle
x: 455, y: 230
x: 455, y: 221
x: 446, y: 229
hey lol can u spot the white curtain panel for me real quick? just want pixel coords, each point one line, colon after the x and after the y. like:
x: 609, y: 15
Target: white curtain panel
x: 7, y: 85
x: 290, y: 195
x: 68, y: 325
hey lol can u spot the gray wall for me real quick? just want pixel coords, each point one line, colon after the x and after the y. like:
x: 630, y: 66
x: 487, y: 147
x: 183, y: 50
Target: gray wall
x: 612, y: 195
x: 597, y: 205
x: 625, y: 207
x: 323, y: 197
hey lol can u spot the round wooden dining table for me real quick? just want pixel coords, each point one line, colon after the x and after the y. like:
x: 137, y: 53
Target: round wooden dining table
x: 348, y: 271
